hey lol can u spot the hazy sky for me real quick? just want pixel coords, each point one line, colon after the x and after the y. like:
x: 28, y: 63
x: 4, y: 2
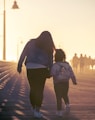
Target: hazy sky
x: 71, y: 23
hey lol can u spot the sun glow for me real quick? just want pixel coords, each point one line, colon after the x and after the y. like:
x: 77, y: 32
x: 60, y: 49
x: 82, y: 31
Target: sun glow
x: 72, y: 25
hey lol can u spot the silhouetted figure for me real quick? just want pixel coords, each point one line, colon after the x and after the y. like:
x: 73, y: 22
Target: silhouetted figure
x: 62, y: 72
x: 38, y: 57
x: 86, y: 66
x: 81, y: 63
x: 75, y: 63
x: 92, y: 63
x: 89, y: 61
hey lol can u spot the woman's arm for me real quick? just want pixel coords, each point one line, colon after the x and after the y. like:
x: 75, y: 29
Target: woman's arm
x: 22, y: 57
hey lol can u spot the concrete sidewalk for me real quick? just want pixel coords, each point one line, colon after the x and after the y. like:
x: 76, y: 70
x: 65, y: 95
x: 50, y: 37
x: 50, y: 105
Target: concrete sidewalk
x: 15, y: 104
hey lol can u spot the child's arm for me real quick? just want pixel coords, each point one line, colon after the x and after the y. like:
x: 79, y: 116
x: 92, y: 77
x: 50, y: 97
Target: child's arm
x: 72, y: 76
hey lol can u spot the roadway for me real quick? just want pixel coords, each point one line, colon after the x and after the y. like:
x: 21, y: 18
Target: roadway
x: 14, y: 96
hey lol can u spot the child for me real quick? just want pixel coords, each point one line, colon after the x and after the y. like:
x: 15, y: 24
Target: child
x: 61, y: 85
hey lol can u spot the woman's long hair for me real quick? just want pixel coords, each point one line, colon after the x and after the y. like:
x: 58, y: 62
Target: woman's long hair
x: 45, y: 42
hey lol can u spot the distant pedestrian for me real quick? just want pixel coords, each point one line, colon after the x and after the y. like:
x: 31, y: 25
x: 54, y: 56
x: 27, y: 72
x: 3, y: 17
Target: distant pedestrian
x: 38, y: 57
x: 75, y: 63
x: 81, y: 63
x: 62, y: 72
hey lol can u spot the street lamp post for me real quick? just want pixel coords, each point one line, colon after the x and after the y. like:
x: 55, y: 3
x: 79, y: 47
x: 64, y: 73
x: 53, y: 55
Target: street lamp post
x: 15, y: 6
x: 4, y: 33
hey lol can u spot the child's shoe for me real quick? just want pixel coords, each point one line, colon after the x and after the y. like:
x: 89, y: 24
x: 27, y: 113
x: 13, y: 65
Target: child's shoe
x: 67, y: 109
x: 59, y: 113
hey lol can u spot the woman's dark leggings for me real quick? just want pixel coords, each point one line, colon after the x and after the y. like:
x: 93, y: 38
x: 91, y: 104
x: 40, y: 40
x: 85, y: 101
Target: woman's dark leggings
x: 61, y: 91
x: 36, y: 78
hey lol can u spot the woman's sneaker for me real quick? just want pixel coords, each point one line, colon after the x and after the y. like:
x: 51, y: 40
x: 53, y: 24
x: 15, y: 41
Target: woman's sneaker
x: 37, y: 114
x: 40, y: 115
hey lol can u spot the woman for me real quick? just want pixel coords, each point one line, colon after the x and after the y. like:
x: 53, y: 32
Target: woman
x: 38, y: 57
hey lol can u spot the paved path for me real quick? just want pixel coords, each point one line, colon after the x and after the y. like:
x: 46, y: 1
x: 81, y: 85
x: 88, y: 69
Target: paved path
x: 15, y: 105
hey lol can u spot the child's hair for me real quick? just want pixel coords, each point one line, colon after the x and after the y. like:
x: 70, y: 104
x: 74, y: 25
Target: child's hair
x: 60, y: 55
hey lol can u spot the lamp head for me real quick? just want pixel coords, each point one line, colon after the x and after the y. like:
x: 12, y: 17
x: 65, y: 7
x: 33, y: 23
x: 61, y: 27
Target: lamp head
x: 15, y: 6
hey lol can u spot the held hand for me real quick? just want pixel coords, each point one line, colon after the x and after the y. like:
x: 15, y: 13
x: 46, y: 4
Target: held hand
x: 75, y: 83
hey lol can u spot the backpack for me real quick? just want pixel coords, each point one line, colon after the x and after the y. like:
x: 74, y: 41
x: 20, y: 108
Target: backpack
x: 63, y: 73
